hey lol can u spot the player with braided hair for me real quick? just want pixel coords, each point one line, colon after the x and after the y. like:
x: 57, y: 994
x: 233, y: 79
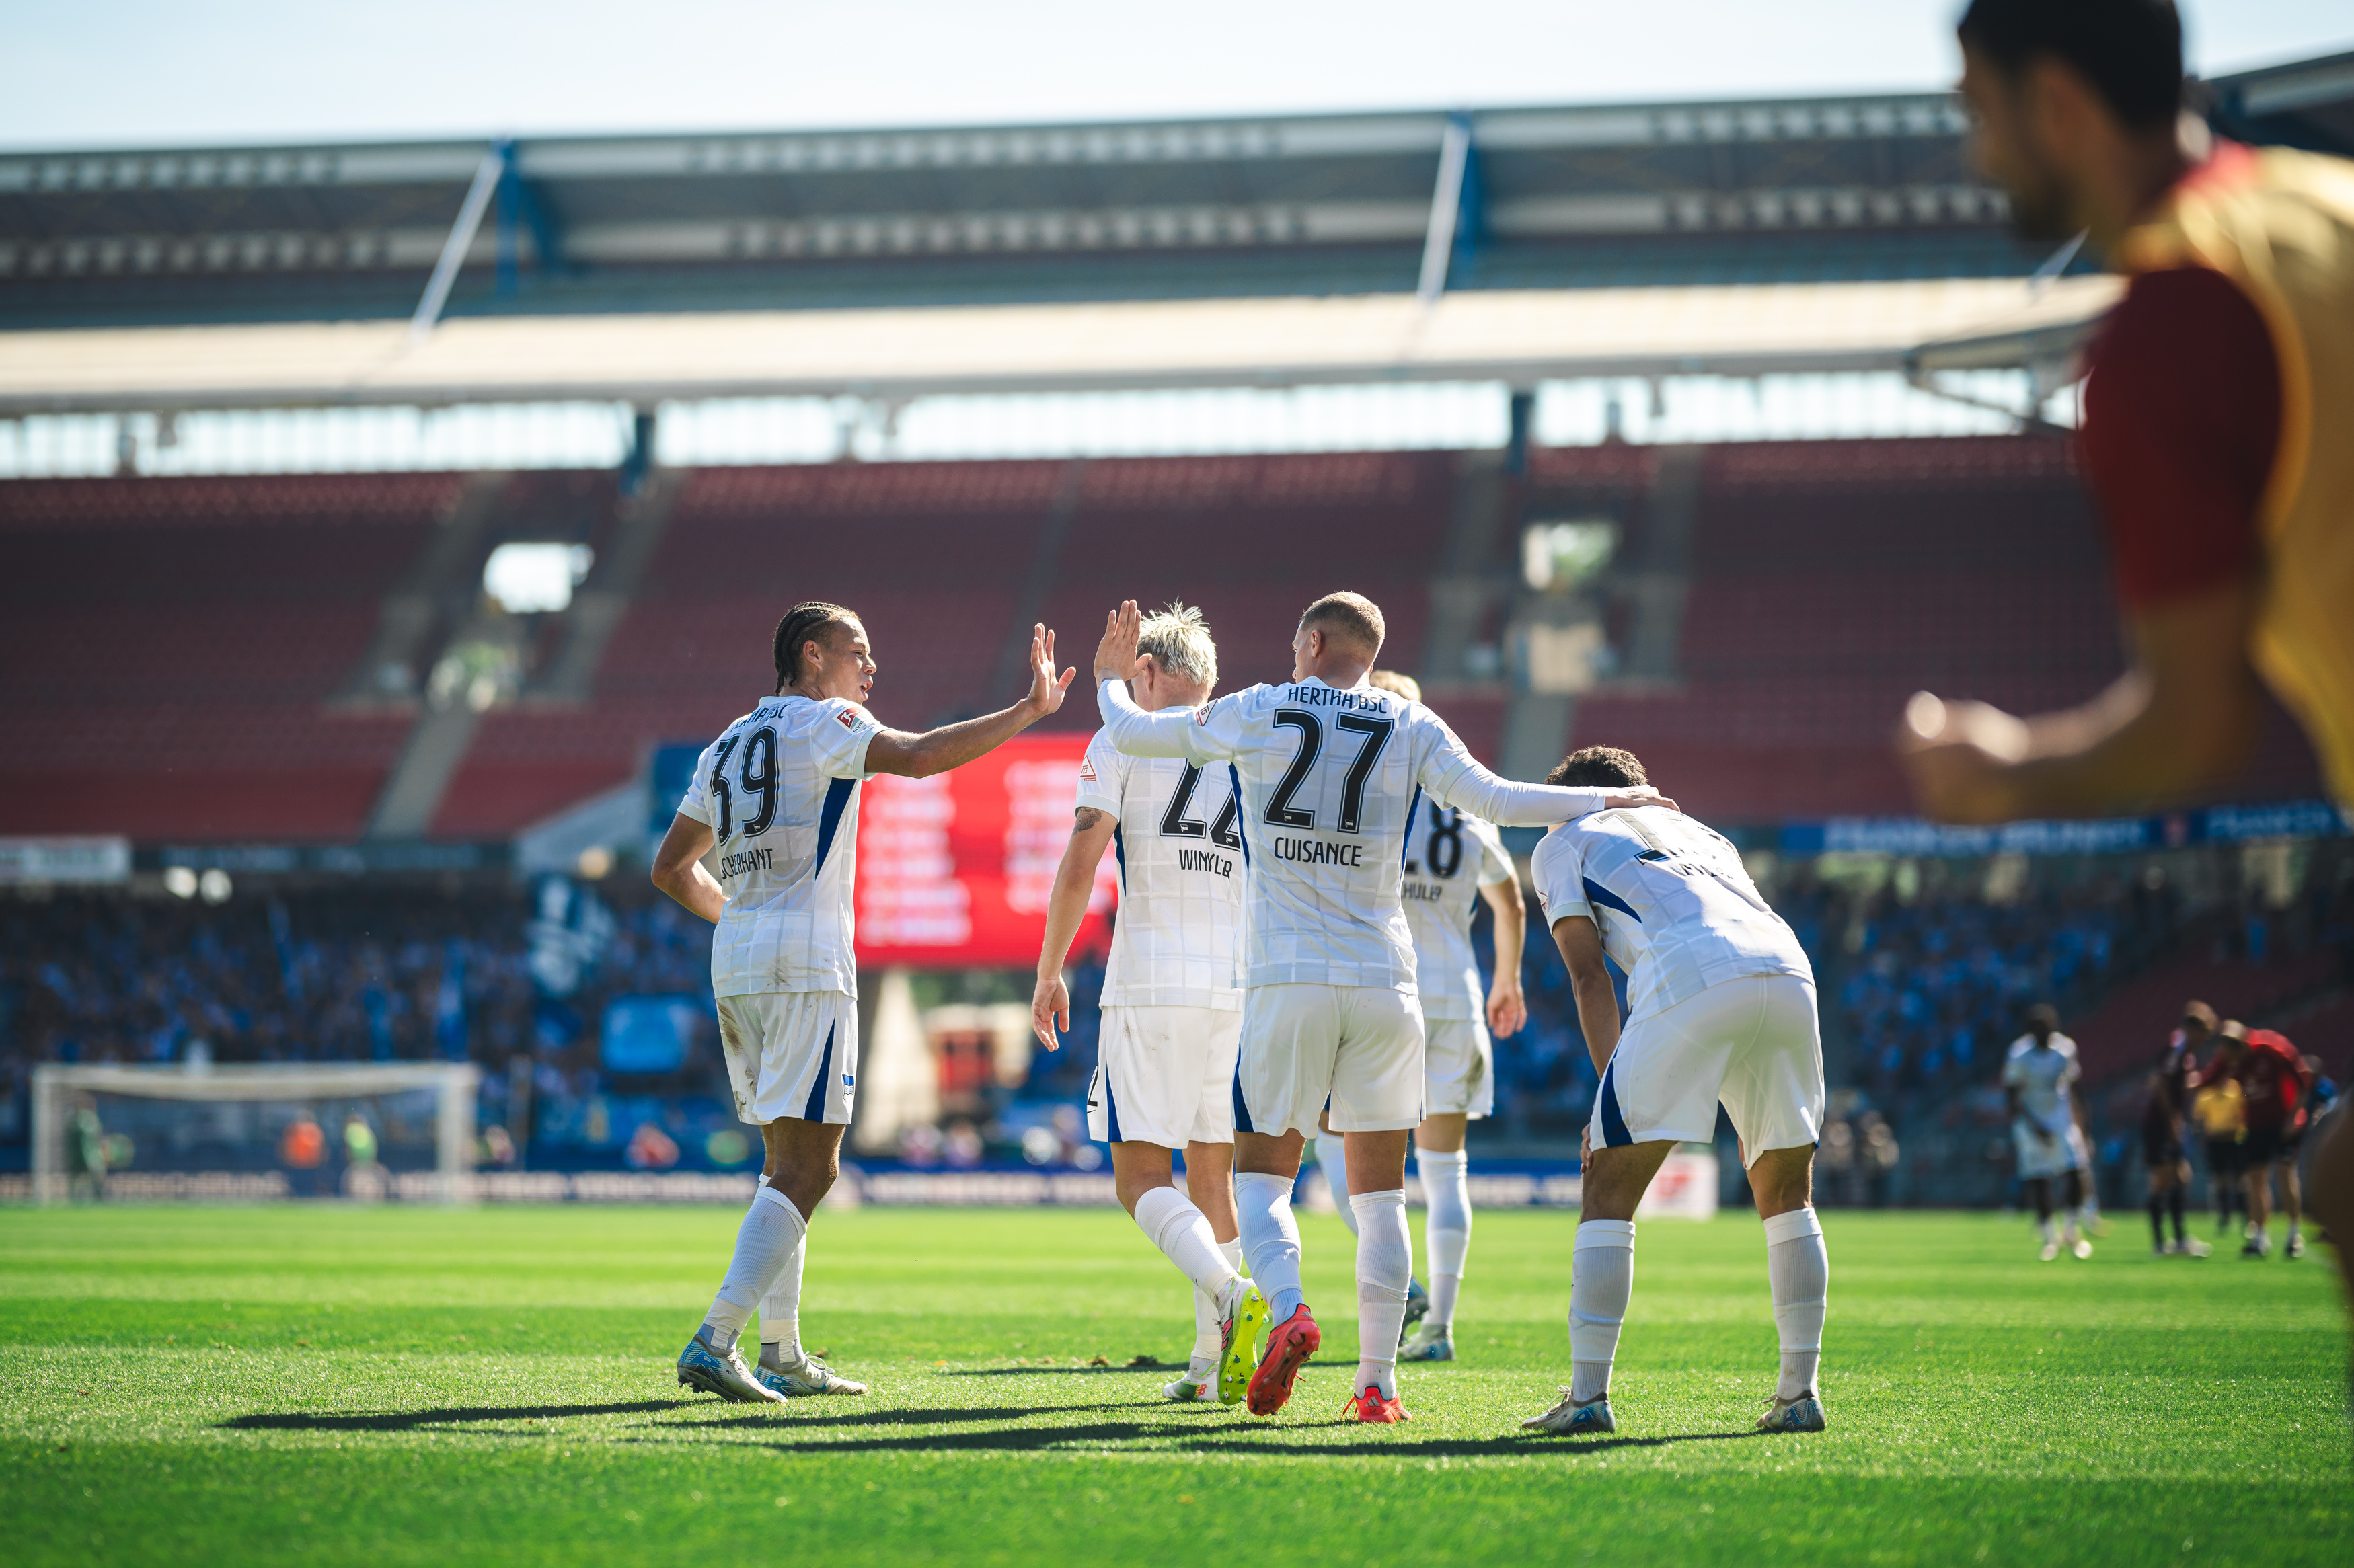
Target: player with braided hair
x: 777, y: 795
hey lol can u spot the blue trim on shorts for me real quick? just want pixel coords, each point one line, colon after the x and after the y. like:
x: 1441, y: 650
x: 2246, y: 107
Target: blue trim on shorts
x: 815, y: 1109
x: 1242, y: 1111
x: 1597, y: 893
x: 829, y: 818
x: 1111, y: 1109
x: 1613, y: 1121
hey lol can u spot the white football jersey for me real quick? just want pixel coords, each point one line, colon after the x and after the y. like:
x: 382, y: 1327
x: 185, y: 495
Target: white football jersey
x: 1449, y: 857
x: 780, y: 789
x: 1176, y: 939
x: 2042, y: 1076
x: 1329, y: 779
x: 1675, y: 907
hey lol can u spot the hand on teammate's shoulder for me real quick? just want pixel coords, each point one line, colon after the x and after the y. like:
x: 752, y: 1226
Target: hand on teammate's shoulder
x: 1638, y: 795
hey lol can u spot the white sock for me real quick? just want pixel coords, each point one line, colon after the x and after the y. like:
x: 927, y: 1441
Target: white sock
x: 1270, y: 1236
x: 1799, y: 1269
x: 780, y: 1313
x: 1601, y: 1278
x: 1332, y: 1159
x: 1208, y: 1343
x: 2068, y: 1225
x: 1384, y: 1264
x: 1446, y: 1227
x: 1171, y: 1222
x: 771, y: 1231
x: 2043, y: 1228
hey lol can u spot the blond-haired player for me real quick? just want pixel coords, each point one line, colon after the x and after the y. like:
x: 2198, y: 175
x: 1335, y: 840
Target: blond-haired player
x: 1172, y: 997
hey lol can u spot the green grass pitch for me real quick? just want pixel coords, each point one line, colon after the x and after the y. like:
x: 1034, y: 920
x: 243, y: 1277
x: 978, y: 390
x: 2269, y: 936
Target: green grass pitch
x: 380, y: 1386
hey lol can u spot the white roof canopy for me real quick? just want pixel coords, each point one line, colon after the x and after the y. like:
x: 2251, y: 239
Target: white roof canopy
x: 1521, y: 337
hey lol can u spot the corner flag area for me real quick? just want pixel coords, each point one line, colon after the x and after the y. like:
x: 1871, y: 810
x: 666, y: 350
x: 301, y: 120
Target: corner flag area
x: 291, y: 1384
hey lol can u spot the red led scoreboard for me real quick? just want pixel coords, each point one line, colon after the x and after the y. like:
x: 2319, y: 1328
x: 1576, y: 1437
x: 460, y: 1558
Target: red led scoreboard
x: 954, y: 870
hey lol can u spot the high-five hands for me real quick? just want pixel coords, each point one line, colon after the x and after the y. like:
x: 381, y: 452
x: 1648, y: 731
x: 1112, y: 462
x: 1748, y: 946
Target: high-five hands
x: 1116, y: 655
x: 1045, y: 690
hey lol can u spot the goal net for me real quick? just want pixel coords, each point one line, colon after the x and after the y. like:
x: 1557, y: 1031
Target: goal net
x: 375, y: 1130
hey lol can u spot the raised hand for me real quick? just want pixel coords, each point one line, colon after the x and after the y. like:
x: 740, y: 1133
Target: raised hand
x: 1116, y: 655
x: 1045, y: 690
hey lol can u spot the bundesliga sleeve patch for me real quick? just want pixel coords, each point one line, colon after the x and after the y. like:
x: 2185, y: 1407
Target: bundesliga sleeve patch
x: 849, y: 718
x: 1086, y: 770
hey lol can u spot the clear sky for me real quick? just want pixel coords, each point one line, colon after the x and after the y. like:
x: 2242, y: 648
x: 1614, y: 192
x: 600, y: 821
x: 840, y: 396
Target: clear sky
x: 146, y: 72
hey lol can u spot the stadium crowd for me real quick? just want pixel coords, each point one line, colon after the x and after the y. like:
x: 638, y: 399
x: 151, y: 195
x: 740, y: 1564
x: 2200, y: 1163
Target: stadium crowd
x: 1923, y: 979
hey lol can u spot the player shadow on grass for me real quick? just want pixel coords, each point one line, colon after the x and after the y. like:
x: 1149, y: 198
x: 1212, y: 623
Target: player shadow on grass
x: 898, y: 1416
x: 1236, y: 1437
x: 1161, y: 1367
x: 406, y: 1420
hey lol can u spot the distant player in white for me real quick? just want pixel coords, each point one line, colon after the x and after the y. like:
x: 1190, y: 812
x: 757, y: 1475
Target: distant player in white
x: 2039, y: 1081
x: 777, y: 795
x: 1721, y: 1005
x: 1452, y: 862
x: 1172, y: 997
x: 1332, y: 773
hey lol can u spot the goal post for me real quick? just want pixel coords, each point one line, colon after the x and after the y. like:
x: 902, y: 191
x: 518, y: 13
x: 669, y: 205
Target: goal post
x: 57, y: 1088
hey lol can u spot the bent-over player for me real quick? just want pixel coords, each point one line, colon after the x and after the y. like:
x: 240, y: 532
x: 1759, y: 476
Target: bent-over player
x: 777, y: 795
x: 1172, y: 997
x: 1721, y: 1006
x: 1331, y: 771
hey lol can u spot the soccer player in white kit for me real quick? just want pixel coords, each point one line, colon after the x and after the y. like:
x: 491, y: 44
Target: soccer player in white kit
x: 777, y: 795
x: 1331, y: 771
x: 1721, y: 1005
x: 1452, y: 862
x: 1172, y: 997
x: 2039, y: 1080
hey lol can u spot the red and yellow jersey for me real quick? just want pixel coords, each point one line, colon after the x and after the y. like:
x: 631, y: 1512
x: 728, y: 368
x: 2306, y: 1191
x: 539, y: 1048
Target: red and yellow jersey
x: 2279, y: 226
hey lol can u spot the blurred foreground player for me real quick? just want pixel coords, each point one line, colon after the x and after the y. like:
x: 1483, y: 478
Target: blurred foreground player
x: 2039, y: 1082
x: 1172, y: 997
x: 2165, y: 1118
x: 2221, y: 1112
x: 1721, y: 1008
x: 1331, y: 771
x: 777, y: 795
x: 2214, y: 434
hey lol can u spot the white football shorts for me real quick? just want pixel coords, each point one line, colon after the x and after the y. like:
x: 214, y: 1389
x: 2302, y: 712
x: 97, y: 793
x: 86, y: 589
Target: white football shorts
x: 1358, y: 1046
x: 792, y: 1054
x: 2040, y: 1157
x: 1754, y: 1044
x: 1459, y: 1068
x: 1165, y: 1076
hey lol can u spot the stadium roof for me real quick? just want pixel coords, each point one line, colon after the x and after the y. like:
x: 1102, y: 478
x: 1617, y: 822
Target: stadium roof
x: 1816, y: 234
x: 1803, y: 190
x: 1519, y: 336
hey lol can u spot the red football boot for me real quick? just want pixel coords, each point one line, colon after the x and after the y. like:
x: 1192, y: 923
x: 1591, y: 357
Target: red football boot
x: 1289, y: 1345
x: 1370, y: 1408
